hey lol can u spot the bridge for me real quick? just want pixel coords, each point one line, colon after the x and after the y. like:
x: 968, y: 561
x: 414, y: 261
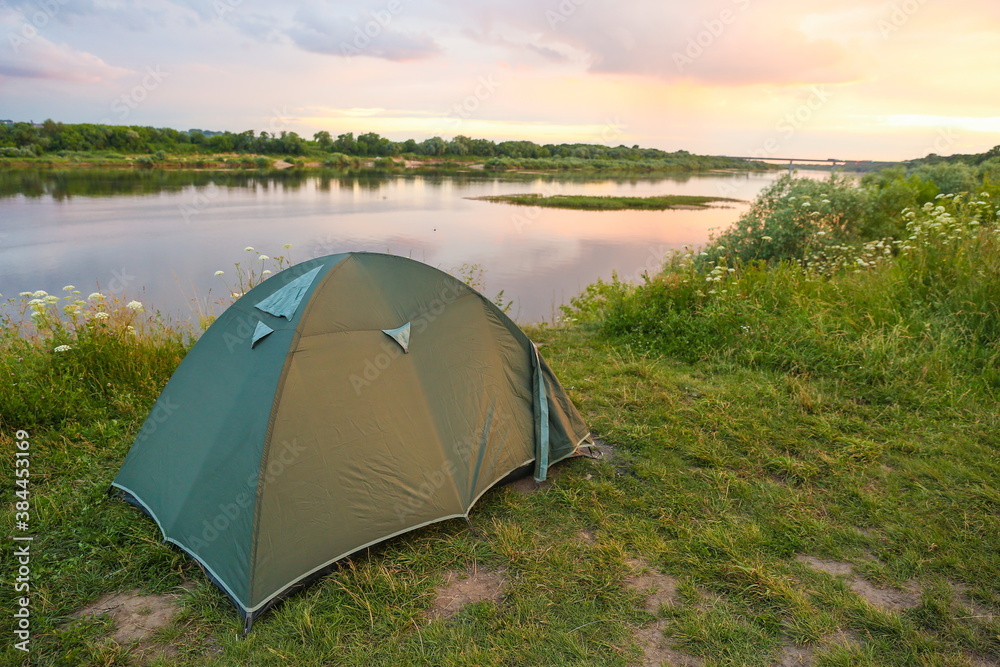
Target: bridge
x: 808, y: 160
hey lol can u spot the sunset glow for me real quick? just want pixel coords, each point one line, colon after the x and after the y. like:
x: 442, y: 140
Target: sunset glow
x: 847, y: 79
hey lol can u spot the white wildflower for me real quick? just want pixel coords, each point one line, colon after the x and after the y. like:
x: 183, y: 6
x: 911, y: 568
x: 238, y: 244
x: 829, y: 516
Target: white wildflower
x: 40, y: 293
x: 51, y: 299
x: 69, y: 288
x: 287, y: 245
x: 249, y: 248
x: 263, y: 257
x: 219, y: 273
x: 26, y: 294
x: 266, y: 272
x: 96, y: 296
x: 63, y: 348
x: 101, y: 315
x: 134, y: 305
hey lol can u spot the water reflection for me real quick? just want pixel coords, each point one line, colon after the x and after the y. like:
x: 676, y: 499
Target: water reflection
x: 169, y: 231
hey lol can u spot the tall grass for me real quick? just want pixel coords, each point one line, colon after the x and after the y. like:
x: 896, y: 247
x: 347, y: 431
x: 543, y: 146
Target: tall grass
x: 909, y: 319
x: 74, y: 359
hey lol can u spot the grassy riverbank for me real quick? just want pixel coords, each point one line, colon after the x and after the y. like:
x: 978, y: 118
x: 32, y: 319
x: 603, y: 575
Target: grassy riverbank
x: 608, y: 203
x: 83, y: 160
x: 805, y: 467
x: 84, y: 145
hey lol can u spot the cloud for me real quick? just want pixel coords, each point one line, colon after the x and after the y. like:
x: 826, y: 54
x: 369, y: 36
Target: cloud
x: 731, y: 42
x: 32, y: 56
x: 130, y: 14
x: 366, y: 28
x: 335, y: 35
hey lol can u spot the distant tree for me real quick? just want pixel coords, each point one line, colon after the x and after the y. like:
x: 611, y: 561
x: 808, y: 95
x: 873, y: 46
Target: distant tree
x: 432, y: 146
x: 346, y: 144
x: 324, y: 140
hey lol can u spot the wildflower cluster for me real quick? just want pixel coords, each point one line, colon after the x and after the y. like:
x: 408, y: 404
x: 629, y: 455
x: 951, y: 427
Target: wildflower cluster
x: 719, y: 273
x: 838, y: 258
x: 254, y: 272
x: 58, y: 321
x: 947, y: 220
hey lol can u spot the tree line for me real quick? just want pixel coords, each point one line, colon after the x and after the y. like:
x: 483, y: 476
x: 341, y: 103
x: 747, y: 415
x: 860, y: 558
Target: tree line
x: 50, y: 137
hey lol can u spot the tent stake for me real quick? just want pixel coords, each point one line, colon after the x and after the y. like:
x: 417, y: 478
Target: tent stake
x: 473, y: 528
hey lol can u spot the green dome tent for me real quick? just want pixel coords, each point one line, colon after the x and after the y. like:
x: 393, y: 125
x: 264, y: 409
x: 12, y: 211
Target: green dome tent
x: 339, y: 403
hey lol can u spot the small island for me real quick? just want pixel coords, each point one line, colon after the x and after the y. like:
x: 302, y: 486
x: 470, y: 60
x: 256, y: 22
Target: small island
x: 609, y: 203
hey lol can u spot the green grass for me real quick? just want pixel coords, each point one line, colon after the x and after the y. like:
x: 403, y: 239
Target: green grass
x: 723, y: 475
x: 853, y: 420
x: 608, y: 203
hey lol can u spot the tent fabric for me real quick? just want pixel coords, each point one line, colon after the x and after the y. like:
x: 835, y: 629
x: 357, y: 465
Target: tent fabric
x: 267, y: 462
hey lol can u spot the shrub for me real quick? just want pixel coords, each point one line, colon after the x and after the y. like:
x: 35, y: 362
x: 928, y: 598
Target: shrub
x: 913, y: 319
x: 793, y: 218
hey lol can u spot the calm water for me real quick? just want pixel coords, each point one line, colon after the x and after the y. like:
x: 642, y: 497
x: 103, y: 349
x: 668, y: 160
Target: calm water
x: 160, y: 237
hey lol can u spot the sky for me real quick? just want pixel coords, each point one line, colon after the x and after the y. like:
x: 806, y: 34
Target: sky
x: 847, y: 79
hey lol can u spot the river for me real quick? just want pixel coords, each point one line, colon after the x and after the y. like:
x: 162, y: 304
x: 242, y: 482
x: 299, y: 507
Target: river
x: 159, y: 237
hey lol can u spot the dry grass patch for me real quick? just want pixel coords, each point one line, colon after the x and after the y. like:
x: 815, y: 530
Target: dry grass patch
x: 883, y: 598
x: 465, y: 588
x: 656, y: 651
x: 663, y: 587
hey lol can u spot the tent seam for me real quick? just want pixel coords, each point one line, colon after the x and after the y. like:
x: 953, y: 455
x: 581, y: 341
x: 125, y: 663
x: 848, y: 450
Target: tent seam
x: 265, y: 452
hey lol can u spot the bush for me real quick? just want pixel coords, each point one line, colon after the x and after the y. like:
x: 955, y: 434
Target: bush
x: 23, y: 151
x: 792, y: 219
x: 914, y: 319
x: 950, y: 177
x: 340, y: 160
